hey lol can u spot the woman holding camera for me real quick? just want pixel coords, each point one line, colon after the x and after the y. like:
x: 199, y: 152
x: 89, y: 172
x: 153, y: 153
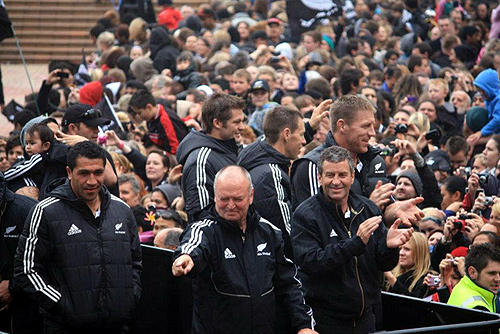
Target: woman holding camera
x: 414, y: 264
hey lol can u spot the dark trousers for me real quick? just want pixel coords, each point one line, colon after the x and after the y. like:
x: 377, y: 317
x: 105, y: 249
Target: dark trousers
x: 59, y: 329
x: 326, y: 323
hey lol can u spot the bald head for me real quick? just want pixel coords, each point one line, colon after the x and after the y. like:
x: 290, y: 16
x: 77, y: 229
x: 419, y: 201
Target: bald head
x: 168, y: 238
x: 233, y: 194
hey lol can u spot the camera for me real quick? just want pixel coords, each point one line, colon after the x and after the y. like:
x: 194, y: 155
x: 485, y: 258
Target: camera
x: 388, y: 152
x: 460, y: 223
x: 434, y: 280
x: 466, y: 171
x: 62, y: 75
x: 275, y: 59
x: 483, y: 178
x: 401, y: 128
x: 433, y: 135
x: 488, y: 201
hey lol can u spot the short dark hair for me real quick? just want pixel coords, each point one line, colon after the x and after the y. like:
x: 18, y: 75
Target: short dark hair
x: 12, y: 142
x: 218, y: 106
x: 86, y: 149
x: 23, y: 117
x: 457, y: 144
x: 493, y: 238
x: 315, y: 35
x: 278, y: 119
x: 44, y: 132
x: 335, y: 154
x: 479, y: 256
x: 164, y: 157
x: 456, y: 183
x: 349, y: 77
x: 413, y: 61
x: 320, y: 85
x: 423, y: 48
x: 141, y: 99
x: 347, y: 107
x: 185, y: 55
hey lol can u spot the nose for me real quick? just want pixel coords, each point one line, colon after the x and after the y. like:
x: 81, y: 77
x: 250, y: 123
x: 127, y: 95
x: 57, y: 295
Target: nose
x: 371, y: 131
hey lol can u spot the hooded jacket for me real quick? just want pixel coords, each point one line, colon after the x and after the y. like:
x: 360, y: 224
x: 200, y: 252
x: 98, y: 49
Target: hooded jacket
x: 272, y: 188
x: 488, y: 81
x: 163, y: 53
x: 202, y: 156
x: 83, y: 271
x: 14, y: 209
x: 341, y: 275
x: 240, y: 276
x: 304, y: 174
x: 189, y: 78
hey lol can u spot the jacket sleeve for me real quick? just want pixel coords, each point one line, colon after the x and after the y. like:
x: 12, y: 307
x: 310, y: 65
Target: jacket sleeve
x: 289, y: 288
x: 21, y: 169
x: 42, y: 99
x: 431, y: 192
x: 32, y: 257
x: 135, y: 247
x: 195, y: 243
x: 304, y: 181
x: 311, y: 256
x: 198, y: 182
x: 271, y: 203
x: 493, y: 126
x: 386, y: 258
x: 139, y: 162
x: 309, y: 133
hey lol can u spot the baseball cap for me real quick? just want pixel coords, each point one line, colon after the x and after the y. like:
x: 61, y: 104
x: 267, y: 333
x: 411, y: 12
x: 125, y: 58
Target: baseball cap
x: 260, y: 84
x: 438, y: 160
x: 84, y: 113
x: 273, y: 20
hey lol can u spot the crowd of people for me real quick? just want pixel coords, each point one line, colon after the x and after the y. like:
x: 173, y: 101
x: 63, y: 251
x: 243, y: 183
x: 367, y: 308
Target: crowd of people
x: 364, y: 158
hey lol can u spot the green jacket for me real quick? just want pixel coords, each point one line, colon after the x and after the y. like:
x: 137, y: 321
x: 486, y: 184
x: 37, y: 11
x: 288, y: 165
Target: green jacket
x: 470, y: 295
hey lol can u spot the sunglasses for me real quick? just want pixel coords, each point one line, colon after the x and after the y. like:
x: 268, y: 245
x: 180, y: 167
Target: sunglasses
x: 89, y: 114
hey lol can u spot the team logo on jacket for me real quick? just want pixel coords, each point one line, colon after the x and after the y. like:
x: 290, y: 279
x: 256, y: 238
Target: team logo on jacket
x: 74, y: 230
x: 118, y: 229
x: 377, y: 168
x: 333, y: 233
x: 261, y: 248
x: 8, y: 232
x: 228, y: 254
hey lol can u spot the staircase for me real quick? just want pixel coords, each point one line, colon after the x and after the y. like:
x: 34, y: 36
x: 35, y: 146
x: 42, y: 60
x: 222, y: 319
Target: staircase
x: 56, y: 29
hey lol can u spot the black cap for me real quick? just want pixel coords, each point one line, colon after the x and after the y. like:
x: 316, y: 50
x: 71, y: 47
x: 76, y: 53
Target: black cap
x: 259, y: 84
x: 84, y: 113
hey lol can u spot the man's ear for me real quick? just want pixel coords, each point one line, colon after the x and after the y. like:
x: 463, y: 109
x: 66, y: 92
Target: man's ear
x: 341, y: 124
x: 473, y: 273
x: 287, y: 134
x: 68, y: 171
x: 72, y: 128
x: 217, y: 124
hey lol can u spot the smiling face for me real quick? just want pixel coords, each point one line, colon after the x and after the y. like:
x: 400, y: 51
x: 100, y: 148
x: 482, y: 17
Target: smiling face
x: 86, y: 178
x: 491, y: 154
x: 336, y: 180
x: 357, y: 134
x: 259, y: 97
x: 155, y: 169
x: 429, y: 110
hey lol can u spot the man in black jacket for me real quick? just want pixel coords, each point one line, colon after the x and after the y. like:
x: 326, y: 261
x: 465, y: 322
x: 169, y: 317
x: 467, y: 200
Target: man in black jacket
x: 203, y: 154
x: 22, y: 314
x: 79, y: 254
x: 352, y: 118
x: 240, y: 268
x: 342, y: 247
x: 268, y: 162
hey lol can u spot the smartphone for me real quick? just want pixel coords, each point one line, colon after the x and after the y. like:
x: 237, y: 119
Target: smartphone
x: 62, y: 75
x: 433, y: 135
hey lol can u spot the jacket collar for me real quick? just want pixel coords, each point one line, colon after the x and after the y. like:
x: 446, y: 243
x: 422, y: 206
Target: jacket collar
x: 486, y: 294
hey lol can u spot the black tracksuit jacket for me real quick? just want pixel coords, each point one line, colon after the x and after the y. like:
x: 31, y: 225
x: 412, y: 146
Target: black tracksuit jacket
x: 239, y: 277
x: 83, y: 271
x: 341, y: 275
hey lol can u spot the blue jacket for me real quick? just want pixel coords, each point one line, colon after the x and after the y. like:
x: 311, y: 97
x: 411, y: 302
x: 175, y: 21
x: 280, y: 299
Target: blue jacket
x: 488, y: 81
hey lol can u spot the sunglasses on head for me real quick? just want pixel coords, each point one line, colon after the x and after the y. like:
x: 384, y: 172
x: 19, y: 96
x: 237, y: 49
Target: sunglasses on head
x: 89, y: 114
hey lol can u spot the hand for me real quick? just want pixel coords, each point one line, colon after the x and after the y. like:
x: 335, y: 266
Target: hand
x: 404, y: 146
x: 449, y: 229
x: 381, y: 195
x: 479, y: 203
x: 178, y: 204
x: 302, y: 63
x: 367, y: 227
x: 193, y: 123
x: 390, y: 277
x: 455, y: 206
x: 69, y: 140
x: 429, y: 283
x: 53, y: 78
x: 319, y: 114
x: 460, y: 263
x: 175, y: 174
x: 474, y: 138
x: 167, y: 72
x: 474, y: 225
x: 422, y: 142
x: 413, y: 131
x: 406, y: 210
x: 113, y: 139
x: 390, y: 131
x: 5, y: 296
x: 398, y: 237
x: 182, y: 265
x: 307, y: 331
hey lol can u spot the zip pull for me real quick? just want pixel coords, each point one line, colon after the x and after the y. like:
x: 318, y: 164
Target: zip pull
x: 243, y: 237
x: 349, y: 232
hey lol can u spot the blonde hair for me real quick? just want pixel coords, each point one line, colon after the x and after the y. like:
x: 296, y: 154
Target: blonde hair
x: 420, y: 251
x: 496, y: 209
x: 440, y: 82
x: 421, y: 121
x: 137, y: 29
